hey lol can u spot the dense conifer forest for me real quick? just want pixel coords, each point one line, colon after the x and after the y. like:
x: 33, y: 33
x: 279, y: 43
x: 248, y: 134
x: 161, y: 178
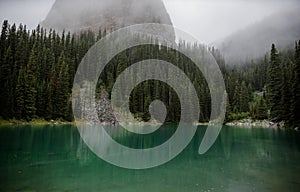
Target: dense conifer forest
x: 37, y: 69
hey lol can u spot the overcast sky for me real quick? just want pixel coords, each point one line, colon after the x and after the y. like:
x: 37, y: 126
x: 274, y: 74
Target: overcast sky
x: 207, y: 20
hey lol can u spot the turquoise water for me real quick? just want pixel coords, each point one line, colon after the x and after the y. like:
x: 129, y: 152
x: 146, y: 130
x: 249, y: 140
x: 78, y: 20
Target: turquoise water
x: 54, y: 158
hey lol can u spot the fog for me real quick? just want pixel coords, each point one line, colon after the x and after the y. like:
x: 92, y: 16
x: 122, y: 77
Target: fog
x: 208, y: 20
x: 213, y: 20
x: 29, y: 12
x: 113, y: 14
x: 254, y: 41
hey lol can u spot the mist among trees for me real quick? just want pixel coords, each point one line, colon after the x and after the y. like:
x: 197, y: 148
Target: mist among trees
x: 37, y: 69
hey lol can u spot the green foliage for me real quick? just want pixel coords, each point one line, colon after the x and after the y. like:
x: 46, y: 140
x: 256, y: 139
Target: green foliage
x: 283, y: 88
x: 238, y: 116
x: 20, y: 90
x: 63, y: 95
x: 258, y: 108
x: 274, y: 84
x: 295, y: 104
x: 37, y: 69
x: 30, y: 83
x: 31, y: 72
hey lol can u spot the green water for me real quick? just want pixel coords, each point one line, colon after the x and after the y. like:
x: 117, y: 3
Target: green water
x: 54, y: 158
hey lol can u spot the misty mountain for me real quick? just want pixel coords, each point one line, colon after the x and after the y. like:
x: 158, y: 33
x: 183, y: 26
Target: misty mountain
x: 78, y: 15
x: 283, y: 29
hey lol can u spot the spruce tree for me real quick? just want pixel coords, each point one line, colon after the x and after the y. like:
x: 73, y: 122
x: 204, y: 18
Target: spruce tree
x: 261, y: 110
x: 62, y: 98
x: 286, y: 91
x: 296, y: 88
x: 6, y: 84
x: 274, y: 85
x: 20, y: 94
x: 21, y: 60
x: 3, y: 39
x: 30, y: 86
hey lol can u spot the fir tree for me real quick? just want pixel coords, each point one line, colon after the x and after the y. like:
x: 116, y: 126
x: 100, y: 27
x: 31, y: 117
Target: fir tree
x: 261, y: 109
x: 30, y: 86
x: 62, y: 98
x: 20, y: 94
x: 274, y: 85
x: 296, y: 88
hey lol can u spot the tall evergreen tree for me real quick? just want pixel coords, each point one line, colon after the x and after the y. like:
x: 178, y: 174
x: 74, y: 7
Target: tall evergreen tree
x: 274, y: 85
x: 5, y: 59
x: 62, y: 99
x: 30, y: 86
x: 286, y: 91
x: 20, y: 94
x: 261, y: 109
x: 296, y: 88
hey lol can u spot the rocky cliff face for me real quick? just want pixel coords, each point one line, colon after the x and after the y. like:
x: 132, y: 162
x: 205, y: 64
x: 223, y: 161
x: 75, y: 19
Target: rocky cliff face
x: 78, y: 15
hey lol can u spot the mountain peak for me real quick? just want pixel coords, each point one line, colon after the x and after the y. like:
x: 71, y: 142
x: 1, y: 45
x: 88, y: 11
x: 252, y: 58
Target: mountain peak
x: 78, y: 15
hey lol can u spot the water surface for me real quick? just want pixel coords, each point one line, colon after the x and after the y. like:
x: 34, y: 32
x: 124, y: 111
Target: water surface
x: 54, y: 158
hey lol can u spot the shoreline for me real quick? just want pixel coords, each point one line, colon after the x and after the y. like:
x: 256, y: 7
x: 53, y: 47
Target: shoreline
x: 35, y: 122
x: 238, y: 123
x: 257, y: 123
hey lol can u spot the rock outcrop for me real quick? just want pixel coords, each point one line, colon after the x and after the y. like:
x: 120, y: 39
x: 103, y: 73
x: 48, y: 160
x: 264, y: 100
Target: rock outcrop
x: 104, y: 109
x: 84, y: 109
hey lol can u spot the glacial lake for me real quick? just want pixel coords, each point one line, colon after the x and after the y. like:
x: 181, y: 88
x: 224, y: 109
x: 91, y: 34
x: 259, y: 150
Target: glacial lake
x: 54, y: 158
